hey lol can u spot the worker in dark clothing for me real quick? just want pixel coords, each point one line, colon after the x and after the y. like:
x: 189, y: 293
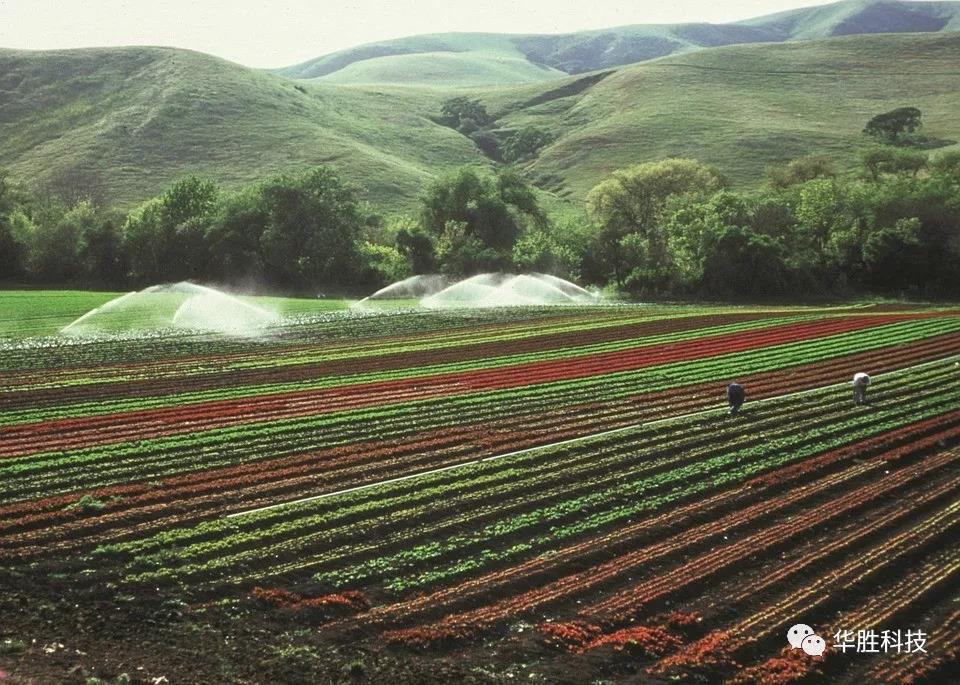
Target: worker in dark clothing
x: 735, y: 396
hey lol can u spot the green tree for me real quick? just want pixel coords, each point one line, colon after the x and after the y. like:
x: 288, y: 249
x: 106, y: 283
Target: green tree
x: 461, y: 252
x: 383, y: 264
x: 821, y: 209
x: 233, y: 237
x: 17, y: 234
x: 416, y: 245
x: 948, y: 165
x: 462, y: 112
x: 801, y: 170
x: 487, y: 143
x: 628, y: 204
x: 313, y: 223
x: 538, y: 251
x: 146, y: 244
x: 164, y: 238
x: 882, y: 160
x: 772, y: 215
x: 525, y: 143
x: 891, y: 126
x: 99, y: 251
x: 739, y: 262
x: 894, y: 258
x: 14, y: 236
x: 479, y: 215
x: 690, y: 224
x: 60, y: 245
x: 935, y: 203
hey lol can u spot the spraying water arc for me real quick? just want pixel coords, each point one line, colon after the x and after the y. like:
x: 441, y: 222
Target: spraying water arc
x: 182, y: 306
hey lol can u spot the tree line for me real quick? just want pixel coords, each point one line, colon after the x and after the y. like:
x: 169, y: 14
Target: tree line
x: 671, y: 228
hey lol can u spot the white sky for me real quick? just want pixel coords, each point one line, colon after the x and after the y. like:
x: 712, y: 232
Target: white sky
x: 274, y: 34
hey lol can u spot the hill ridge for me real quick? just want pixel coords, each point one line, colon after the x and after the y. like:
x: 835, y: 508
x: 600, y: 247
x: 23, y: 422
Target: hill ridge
x: 595, y: 49
x: 121, y: 124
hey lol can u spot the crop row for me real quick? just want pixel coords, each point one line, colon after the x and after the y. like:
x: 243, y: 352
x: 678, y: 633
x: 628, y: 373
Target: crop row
x: 267, y: 357
x: 71, y: 434
x: 194, y: 406
x: 621, y: 606
x: 683, y: 523
x: 265, y: 482
x: 942, y: 649
x: 619, y: 412
x: 895, y: 599
x: 213, y: 384
x: 155, y: 458
x: 335, y: 328
x: 478, y: 549
x: 136, y: 508
x: 604, y: 502
x: 576, y: 474
x: 803, y: 599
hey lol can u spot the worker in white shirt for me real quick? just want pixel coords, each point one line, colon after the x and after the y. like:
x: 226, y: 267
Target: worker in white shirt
x: 861, y: 382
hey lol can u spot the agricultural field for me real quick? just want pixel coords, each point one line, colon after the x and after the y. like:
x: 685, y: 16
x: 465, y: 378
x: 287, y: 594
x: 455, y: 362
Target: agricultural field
x: 547, y: 495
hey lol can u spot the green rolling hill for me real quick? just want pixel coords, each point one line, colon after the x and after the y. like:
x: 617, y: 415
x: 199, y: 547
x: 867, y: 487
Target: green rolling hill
x: 447, y: 60
x: 123, y: 123
x: 741, y: 108
x: 477, y: 59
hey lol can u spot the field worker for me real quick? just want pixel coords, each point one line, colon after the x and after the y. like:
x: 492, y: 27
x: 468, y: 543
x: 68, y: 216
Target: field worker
x: 861, y: 382
x: 735, y: 396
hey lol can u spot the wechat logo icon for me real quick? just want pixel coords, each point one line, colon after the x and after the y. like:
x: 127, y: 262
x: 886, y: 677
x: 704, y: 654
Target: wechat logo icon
x: 801, y: 636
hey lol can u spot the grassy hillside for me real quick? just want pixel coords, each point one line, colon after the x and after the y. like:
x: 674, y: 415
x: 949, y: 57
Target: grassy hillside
x: 741, y: 108
x: 451, y: 60
x: 853, y: 17
x: 444, y: 68
x: 125, y: 122
x: 122, y: 123
x: 477, y: 59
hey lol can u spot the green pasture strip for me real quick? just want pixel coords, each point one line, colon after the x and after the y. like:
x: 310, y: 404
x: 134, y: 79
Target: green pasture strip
x: 817, y: 432
x: 39, y: 312
x: 92, y: 408
x: 59, y: 472
x: 26, y: 313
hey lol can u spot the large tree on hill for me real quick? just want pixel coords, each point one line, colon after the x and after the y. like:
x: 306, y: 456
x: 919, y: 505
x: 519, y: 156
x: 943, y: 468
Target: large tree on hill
x: 890, y: 127
x: 625, y: 208
x: 464, y: 114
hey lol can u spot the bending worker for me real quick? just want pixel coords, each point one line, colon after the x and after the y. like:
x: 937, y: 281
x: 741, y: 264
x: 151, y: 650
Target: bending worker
x: 861, y: 382
x: 735, y: 396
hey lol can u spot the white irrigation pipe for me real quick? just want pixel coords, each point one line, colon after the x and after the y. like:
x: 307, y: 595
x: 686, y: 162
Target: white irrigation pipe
x: 582, y: 438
